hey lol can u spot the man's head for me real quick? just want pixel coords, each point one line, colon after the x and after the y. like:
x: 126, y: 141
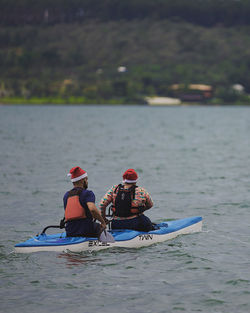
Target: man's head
x: 78, y: 177
x: 130, y: 176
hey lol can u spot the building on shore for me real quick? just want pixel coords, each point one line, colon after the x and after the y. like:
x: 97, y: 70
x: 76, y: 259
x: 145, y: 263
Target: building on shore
x: 192, y: 92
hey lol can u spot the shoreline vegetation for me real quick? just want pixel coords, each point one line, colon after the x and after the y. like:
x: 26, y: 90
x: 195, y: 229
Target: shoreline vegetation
x: 82, y: 101
x: 92, y: 52
x: 55, y: 101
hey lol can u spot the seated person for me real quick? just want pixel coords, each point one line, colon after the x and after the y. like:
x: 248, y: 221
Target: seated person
x: 129, y: 202
x: 80, y: 208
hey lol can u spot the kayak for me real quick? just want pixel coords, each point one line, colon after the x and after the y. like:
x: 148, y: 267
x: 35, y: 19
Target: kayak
x: 124, y: 238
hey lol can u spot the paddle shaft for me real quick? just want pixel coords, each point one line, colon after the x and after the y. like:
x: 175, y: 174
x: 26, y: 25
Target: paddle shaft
x: 51, y: 226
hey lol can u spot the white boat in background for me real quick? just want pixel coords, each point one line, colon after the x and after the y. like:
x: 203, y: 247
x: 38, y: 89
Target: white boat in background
x: 161, y: 101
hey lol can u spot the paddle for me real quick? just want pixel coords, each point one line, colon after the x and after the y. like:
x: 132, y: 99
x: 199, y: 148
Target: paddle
x: 61, y: 226
x: 106, y: 237
x: 51, y: 226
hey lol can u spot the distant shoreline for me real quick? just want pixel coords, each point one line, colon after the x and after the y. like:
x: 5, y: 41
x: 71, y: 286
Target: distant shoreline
x: 114, y: 102
x: 57, y: 101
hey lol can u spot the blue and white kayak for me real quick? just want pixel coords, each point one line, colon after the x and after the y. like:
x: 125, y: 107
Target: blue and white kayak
x: 123, y: 238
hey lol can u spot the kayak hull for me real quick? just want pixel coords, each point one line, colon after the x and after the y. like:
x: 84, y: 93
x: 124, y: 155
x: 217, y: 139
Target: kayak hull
x: 123, y: 238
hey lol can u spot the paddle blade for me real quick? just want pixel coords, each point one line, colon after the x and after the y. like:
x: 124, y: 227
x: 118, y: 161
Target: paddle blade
x: 106, y: 237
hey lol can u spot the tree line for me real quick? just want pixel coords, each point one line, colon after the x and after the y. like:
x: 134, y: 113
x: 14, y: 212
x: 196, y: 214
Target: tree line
x: 63, y: 49
x: 82, y: 60
x: 201, y: 12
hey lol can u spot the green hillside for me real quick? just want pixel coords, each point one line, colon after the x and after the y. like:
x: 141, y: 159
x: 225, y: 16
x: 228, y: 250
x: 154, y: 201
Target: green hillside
x: 77, y: 61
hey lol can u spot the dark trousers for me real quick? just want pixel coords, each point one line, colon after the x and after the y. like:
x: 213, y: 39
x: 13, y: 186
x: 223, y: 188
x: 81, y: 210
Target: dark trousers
x: 82, y: 228
x: 141, y: 223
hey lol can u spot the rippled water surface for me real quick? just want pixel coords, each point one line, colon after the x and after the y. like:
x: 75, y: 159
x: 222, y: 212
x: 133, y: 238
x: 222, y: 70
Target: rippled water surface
x: 192, y: 160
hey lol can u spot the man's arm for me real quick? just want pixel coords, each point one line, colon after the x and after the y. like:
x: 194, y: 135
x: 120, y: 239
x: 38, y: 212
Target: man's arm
x: 106, y: 200
x: 149, y: 202
x: 96, y: 213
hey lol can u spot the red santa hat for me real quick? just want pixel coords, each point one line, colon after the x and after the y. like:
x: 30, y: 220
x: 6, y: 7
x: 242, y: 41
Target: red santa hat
x: 130, y: 176
x: 76, y: 173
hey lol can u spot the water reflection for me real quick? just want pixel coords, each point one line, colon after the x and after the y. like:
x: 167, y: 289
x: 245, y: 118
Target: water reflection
x: 76, y: 259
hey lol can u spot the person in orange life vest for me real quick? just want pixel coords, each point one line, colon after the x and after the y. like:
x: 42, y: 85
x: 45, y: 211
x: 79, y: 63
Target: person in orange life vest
x: 129, y: 202
x: 80, y: 208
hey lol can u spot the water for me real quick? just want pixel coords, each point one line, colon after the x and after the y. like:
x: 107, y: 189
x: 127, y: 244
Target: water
x: 192, y: 160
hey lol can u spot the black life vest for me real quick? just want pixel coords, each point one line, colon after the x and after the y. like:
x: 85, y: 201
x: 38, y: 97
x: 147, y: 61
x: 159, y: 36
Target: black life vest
x: 74, y: 210
x: 123, y: 202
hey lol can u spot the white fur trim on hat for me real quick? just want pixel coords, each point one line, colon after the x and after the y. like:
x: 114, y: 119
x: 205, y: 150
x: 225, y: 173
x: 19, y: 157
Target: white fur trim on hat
x: 129, y: 181
x: 79, y: 177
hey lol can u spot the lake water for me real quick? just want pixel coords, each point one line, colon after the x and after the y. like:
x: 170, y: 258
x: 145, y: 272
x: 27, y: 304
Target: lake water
x: 192, y: 160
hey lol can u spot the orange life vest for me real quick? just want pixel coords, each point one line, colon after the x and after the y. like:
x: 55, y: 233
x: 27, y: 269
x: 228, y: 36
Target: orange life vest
x: 74, y: 210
